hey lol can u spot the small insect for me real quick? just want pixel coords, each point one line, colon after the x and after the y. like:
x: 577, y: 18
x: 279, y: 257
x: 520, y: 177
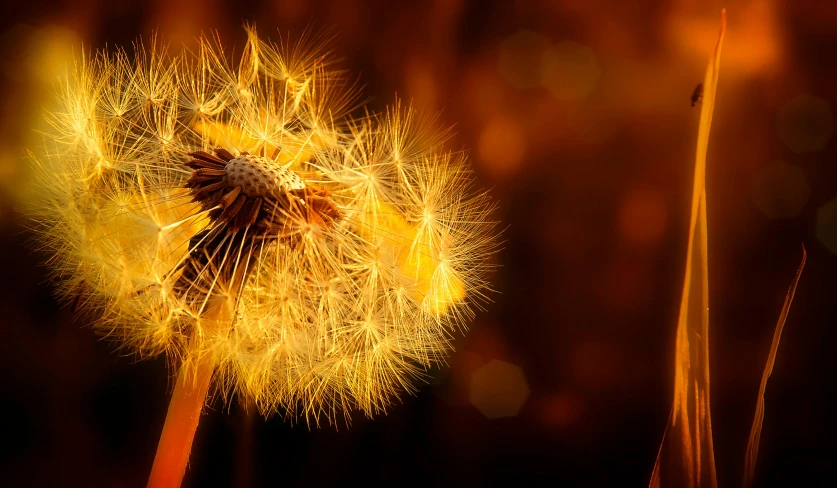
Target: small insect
x: 697, y: 95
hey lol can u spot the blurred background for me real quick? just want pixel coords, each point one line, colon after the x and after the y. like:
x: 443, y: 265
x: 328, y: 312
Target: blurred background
x: 577, y: 114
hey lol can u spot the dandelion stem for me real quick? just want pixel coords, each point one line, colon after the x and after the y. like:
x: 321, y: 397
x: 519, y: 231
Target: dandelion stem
x: 186, y: 405
x: 181, y: 422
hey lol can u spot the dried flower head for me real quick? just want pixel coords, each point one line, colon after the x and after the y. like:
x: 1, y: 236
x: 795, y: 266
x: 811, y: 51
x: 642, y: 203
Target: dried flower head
x: 347, y: 249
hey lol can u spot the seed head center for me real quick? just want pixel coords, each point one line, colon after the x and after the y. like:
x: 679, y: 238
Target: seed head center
x: 260, y: 177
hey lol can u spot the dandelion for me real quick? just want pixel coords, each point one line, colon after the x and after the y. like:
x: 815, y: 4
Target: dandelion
x: 228, y: 212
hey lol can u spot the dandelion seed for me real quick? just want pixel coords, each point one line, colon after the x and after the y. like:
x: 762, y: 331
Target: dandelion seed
x: 234, y: 217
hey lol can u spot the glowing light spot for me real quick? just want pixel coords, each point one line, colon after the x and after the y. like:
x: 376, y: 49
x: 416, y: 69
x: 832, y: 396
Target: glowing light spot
x: 569, y: 70
x: 518, y: 61
x: 827, y: 225
x: 498, y: 389
x: 759, y: 40
x: 561, y: 410
x: 643, y: 216
x: 501, y: 147
x: 49, y: 51
x: 780, y: 190
x: 421, y: 84
x: 805, y: 124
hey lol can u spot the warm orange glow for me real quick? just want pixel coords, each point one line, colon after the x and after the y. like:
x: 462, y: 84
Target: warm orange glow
x: 502, y: 146
x: 499, y: 389
x: 421, y: 84
x: 570, y: 70
x: 592, y: 176
x: 561, y: 409
x: 755, y: 42
x: 643, y: 216
x: 519, y: 60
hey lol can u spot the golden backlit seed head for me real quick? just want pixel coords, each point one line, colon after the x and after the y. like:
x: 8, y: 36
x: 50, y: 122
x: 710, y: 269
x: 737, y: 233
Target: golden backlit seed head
x: 350, y: 250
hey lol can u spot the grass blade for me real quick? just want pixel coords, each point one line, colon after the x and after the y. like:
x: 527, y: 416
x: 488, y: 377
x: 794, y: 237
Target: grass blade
x: 755, y: 431
x: 686, y: 457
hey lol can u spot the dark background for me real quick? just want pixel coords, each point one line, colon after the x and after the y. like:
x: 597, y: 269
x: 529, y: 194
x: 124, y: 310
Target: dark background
x: 593, y: 186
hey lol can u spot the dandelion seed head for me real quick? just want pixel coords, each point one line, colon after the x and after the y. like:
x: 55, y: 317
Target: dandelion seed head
x: 258, y: 176
x: 349, y: 250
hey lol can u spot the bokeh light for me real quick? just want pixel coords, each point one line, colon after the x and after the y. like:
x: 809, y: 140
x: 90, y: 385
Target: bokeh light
x: 827, y: 225
x: 780, y: 190
x: 805, y: 123
x: 561, y: 409
x: 502, y: 145
x: 32, y: 58
x: 577, y: 117
x: 420, y: 83
x: 569, y: 70
x: 41, y: 55
x: 498, y: 389
x: 756, y: 46
x: 519, y: 59
x: 643, y: 216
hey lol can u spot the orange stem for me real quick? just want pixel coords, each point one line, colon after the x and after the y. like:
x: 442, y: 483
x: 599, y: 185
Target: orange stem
x: 181, y: 421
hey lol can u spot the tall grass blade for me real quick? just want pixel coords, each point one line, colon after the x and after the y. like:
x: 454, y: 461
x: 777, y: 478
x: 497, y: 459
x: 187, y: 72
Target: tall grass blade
x: 686, y: 457
x: 755, y: 431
